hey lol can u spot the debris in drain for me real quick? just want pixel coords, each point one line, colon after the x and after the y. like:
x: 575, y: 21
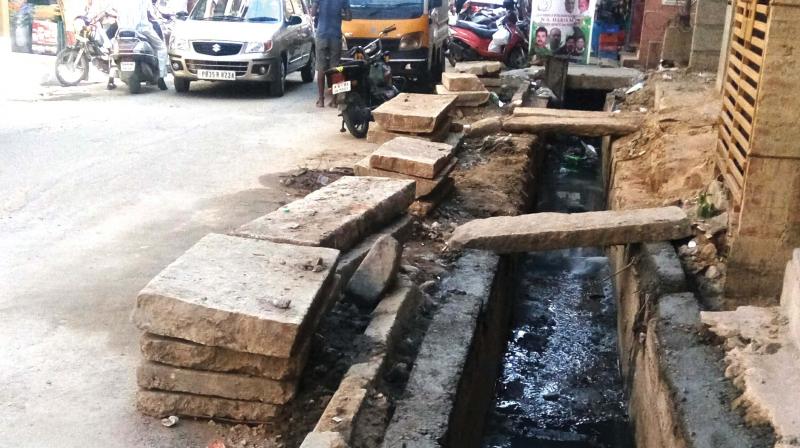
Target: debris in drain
x: 170, y: 421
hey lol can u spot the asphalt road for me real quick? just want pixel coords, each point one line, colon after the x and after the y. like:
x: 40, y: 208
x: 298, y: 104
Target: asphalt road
x: 98, y: 192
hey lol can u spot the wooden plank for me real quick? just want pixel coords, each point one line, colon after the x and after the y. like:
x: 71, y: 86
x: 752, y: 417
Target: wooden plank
x: 749, y: 54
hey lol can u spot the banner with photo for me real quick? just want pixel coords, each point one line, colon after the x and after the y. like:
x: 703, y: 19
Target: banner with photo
x: 562, y: 28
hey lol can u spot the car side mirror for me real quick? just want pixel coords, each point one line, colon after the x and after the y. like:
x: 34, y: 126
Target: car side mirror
x: 182, y: 15
x: 294, y: 20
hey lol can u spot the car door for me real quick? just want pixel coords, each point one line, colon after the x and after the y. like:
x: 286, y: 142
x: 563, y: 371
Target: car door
x: 306, y: 30
x: 293, y: 53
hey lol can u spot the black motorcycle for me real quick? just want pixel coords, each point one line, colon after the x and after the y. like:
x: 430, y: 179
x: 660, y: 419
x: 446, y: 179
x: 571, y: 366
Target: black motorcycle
x: 72, y: 63
x: 362, y: 83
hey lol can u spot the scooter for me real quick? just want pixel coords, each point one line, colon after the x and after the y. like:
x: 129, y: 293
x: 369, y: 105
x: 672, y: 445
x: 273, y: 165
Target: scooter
x: 136, y: 59
x: 470, y: 42
x: 362, y: 84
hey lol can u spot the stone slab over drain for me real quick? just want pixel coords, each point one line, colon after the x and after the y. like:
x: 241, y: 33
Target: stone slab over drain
x: 338, y: 215
x: 241, y: 294
x: 550, y: 231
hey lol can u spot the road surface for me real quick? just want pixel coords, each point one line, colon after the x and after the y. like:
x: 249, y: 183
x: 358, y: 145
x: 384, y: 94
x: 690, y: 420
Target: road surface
x: 98, y: 192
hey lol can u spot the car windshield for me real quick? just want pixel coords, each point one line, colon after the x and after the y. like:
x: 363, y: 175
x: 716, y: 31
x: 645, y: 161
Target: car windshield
x: 386, y: 9
x: 238, y: 10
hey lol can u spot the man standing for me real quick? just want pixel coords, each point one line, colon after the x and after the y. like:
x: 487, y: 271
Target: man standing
x: 132, y: 14
x: 329, y: 14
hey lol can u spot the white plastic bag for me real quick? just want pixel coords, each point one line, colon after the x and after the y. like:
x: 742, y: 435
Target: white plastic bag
x: 499, y: 39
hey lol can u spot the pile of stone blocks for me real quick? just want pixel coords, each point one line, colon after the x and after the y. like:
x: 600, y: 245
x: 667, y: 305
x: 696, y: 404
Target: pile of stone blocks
x: 228, y: 325
x: 420, y: 116
x: 428, y: 164
x: 469, y: 90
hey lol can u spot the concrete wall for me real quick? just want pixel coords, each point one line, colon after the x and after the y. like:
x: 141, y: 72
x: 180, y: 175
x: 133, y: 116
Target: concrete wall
x: 708, y: 23
x: 671, y: 373
x: 655, y: 19
x: 677, y: 44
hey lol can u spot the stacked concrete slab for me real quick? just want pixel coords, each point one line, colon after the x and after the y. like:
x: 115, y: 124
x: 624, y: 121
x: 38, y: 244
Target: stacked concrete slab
x: 428, y: 164
x: 228, y: 325
x: 468, y: 88
x: 420, y: 116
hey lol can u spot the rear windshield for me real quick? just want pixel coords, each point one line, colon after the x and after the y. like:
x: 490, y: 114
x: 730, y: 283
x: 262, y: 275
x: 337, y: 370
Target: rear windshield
x: 238, y: 10
x: 386, y: 9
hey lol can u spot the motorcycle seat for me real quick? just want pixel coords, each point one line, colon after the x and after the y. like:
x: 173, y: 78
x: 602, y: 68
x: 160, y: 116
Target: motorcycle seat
x: 480, y: 30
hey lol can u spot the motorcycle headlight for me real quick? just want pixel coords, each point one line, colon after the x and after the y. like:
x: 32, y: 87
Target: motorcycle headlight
x: 178, y: 44
x: 411, y: 41
x: 258, y: 47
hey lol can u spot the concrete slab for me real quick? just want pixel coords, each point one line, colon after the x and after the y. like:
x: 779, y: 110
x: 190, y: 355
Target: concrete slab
x: 413, y: 112
x: 462, y: 82
x: 392, y: 313
x: 466, y: 98
x: 377, y: 272
x: 548, y: 231
x: 163, y: 404
x: 422, y: 186
x: 569, y: 113
x: 379, y: 136
x: 242, y: 294
x: 412, y: 157
x: 154, y: 376
x: 338, y: 215
x: 186, y: 354
x: 350, y: 260
x: 599, y: 126
x: 479, y: 68
x: 594, y: 77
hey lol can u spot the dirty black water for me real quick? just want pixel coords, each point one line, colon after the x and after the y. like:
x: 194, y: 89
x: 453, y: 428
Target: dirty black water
x: 560, y: 385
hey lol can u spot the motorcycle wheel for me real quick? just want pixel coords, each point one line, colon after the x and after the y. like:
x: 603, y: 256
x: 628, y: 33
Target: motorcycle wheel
x: 517, y: 58
x: 69, y: 69
x: 356, y: 121
x: 134, y: 84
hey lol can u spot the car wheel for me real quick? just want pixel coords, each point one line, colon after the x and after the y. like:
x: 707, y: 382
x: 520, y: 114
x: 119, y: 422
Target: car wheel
x: 310, y: 70
x: 278, y: 87
x: 182, y: 84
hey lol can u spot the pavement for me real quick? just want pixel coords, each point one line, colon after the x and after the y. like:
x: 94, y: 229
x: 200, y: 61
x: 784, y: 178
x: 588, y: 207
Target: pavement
x: 98, y: 192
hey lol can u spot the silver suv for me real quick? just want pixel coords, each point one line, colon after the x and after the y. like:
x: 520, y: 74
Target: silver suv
x: 243, y: 40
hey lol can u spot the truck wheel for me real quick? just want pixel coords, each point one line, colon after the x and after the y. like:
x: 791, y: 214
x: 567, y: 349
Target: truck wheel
x: 278, y: 87
x: 182, y: 84
x: 438, y: 66
x: 310, y: 70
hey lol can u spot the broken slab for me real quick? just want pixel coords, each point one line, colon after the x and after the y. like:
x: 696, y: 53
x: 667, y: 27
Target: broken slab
x: 466, y: 98
x: 425, y: 205
x: 242, y: 294
x: 479, y: 68
x: 377, y: 272
x: 413, y: 157
x: 462, y: 82
x: 587, y: 127
x: 350, y: 260
x: 187, y: 354
x: 549, y: 231
x: 413, y: 112
x: 338, y: 215
x: 422, y: 186
x: 235, y: 386
x: 163, y: 404
x: 379, y: 136
x: 393, y: 313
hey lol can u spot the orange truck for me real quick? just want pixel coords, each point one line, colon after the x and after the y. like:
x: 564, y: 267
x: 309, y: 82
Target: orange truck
x: 417, y: 47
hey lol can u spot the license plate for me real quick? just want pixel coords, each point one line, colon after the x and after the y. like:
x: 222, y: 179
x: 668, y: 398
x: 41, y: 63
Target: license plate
x: 127, y: 66
x: 341, y: 87
x: 222, y: 75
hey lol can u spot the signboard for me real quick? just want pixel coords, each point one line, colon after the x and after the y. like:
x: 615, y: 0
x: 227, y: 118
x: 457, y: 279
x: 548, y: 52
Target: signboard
x: 44, y: 37
x: 562, y: 28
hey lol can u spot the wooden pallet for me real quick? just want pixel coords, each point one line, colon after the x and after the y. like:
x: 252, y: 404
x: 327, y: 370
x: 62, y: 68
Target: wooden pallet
x: 740, y: 91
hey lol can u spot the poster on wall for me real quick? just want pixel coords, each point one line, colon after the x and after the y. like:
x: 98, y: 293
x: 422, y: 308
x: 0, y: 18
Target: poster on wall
x: 562, y: 28
x: 44, y: 37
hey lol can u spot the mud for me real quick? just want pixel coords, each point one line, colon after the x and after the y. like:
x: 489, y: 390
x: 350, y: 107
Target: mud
x: 560, y: 384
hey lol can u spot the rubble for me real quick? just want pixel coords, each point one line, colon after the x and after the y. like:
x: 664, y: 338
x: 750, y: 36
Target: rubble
x: 376, y: 272
x: 548, y: 231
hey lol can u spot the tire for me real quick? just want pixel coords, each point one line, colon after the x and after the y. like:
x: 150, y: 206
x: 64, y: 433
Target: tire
x: 517, y: 58
x: 308, y: 73
x: 182, y: 84
x: 66, y: 64
x: 356, y: 121
x: 439, y: 66
x: 278, y: 87
x: 134, y: 84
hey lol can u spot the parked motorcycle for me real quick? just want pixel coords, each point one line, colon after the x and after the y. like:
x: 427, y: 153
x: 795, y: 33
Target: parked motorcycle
x: 471, y: 42
x: 362, y: 84
x: 72, y: 63
x: 136, y: 59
